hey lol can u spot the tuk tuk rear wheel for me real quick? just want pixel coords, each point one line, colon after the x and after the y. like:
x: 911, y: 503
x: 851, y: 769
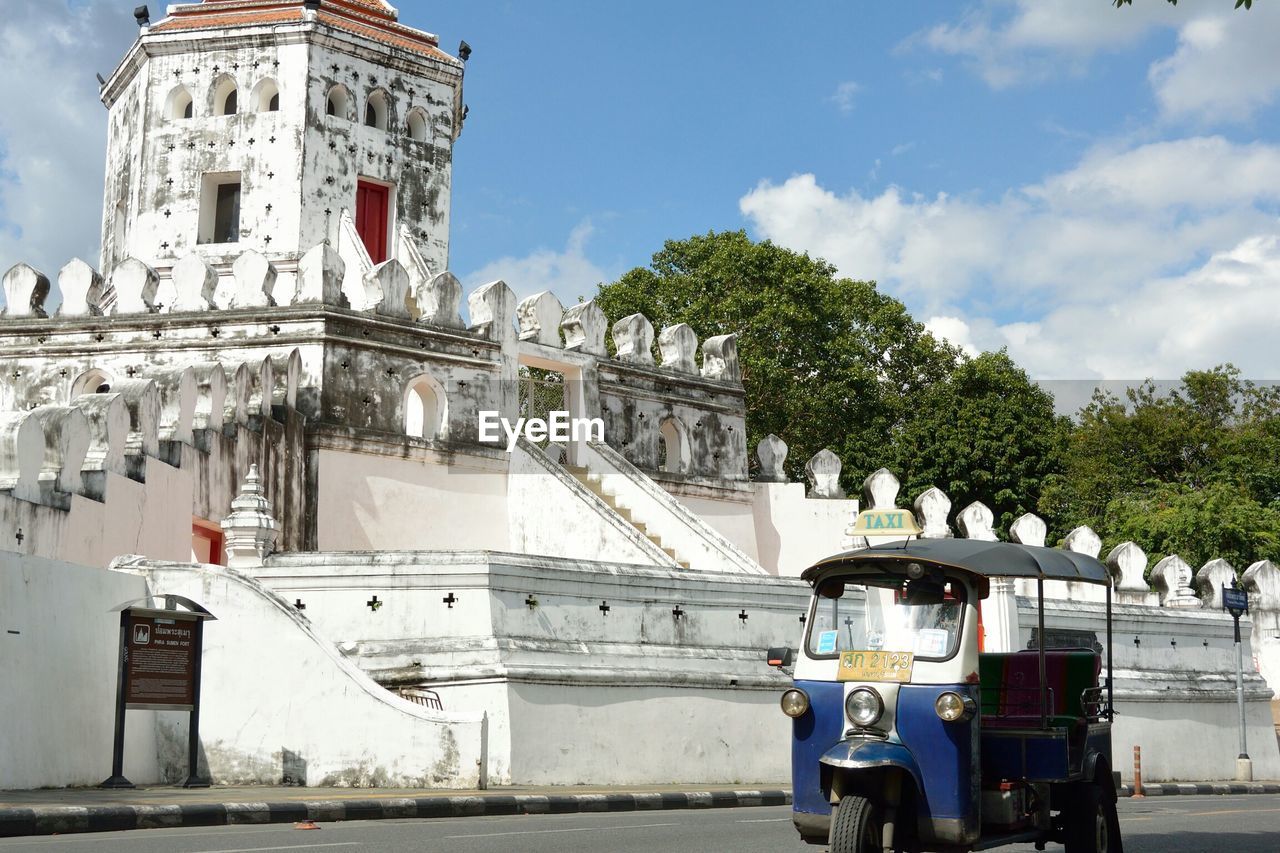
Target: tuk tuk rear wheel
x: 857, y: 827
x: 1091, y: 823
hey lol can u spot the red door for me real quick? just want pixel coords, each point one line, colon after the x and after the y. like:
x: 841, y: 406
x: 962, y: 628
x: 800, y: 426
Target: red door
x: 373, y: 208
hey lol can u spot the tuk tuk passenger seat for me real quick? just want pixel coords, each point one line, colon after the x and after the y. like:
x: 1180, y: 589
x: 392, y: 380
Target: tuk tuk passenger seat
x: 1009, y: 684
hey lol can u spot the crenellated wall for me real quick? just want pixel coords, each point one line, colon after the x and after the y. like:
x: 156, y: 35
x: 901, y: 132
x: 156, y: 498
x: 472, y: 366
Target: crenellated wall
x: 130, y: 467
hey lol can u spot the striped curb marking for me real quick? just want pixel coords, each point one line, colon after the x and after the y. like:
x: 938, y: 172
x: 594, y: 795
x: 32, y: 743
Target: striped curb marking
x: 1172, y: 789
x: 48, y: 820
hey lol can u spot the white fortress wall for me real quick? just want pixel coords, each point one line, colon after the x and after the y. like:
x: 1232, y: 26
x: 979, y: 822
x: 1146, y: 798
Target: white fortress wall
x: 59, y: 647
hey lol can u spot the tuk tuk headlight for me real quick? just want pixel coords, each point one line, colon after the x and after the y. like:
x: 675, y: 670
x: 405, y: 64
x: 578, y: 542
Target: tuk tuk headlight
x: 863, y: 706
x: 795, y: 702
x: 952, y: 706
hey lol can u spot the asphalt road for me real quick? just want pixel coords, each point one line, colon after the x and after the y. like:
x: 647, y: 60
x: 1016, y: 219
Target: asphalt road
x: 1248, y: 824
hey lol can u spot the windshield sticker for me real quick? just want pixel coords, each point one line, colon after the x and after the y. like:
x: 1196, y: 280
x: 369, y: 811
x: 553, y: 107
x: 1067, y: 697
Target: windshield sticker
x: 932, y: 642
x: 827, y: 642
x: 875, y: 666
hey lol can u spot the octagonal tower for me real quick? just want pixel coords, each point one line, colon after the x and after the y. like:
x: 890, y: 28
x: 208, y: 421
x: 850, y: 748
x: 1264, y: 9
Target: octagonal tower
x: 277, y: 125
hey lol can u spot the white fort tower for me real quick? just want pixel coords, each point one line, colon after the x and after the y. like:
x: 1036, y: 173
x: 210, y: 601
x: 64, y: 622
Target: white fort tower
x: 268, y: 400
x: 274, y: 126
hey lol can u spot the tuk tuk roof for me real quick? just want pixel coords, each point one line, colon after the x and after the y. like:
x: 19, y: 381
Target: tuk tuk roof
x: 987, y: 559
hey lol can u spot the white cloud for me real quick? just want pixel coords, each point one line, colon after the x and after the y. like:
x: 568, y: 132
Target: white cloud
x: 1010, y: 43
x: 953, y: 330
x: 1225, y: 68
x: 1119, y: 266
x: 844, y: 96
x: 53, y: 129
x: 568, y: 273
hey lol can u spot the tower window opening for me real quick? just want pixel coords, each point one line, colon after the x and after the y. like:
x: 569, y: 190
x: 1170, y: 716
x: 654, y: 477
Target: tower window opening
x: 266, y: 96
x: 426, y: 409
x: 673, y: 447
x: 92, y: 381
x: 179, y: 104
x: 377, y: 110
x: 339, y: 103
x: 225, y: 97
x: 220, y: 208
x: 417, y: 125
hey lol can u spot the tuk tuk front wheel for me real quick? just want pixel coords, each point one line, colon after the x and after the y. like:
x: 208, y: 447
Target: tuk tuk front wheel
x: 1091, y: 823
x: 857, y: 827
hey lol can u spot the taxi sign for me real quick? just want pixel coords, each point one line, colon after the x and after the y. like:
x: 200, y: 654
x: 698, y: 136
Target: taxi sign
x: 885, y: 522
x: 875, y: 666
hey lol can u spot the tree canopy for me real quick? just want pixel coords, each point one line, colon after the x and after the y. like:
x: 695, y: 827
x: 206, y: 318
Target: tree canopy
x: 1195, y: 471
x: 833, y: 362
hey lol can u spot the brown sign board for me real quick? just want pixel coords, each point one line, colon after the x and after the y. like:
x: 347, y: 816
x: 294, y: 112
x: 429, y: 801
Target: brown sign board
x: 160, y: 660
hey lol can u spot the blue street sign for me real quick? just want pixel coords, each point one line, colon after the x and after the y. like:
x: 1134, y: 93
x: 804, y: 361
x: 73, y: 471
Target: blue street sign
x: 1235, y: 599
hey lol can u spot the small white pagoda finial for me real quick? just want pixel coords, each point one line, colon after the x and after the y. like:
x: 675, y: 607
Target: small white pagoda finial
x: 250, y: 529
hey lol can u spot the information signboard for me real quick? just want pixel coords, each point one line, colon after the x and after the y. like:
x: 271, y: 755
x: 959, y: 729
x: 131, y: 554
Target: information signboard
x: 160, y: 661
x: 159, y: 668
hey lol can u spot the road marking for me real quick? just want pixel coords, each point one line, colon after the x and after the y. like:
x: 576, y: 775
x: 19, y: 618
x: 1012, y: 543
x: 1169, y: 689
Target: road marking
x: 1229, y: 811
x: 553, y: 831
x: 287, y: 847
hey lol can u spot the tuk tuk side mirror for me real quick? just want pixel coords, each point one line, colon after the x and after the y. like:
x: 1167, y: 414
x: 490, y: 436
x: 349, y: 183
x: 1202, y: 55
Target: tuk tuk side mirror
x: 780, y: 657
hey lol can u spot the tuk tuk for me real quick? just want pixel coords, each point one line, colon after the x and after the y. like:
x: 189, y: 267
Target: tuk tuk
x: 906, y: 736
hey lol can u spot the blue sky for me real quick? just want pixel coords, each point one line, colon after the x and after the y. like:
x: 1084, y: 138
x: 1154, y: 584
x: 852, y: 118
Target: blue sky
x: 1096, y: 189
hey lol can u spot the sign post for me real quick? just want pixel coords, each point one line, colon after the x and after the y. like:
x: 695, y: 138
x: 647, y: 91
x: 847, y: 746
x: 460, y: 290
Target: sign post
x: 159, y: 669
x: 1236, y: 602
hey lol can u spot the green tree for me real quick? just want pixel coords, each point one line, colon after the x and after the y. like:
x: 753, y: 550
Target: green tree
x: 986, y: 432
x: 1195, y: 471
x: 826, y: 361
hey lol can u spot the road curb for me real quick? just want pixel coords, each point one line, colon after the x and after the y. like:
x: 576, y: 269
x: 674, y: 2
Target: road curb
x: 1173, y: 789
x: 51, y: 820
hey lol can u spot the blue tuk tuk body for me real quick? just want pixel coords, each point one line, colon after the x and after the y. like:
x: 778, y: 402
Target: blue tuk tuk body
x: 906, y: 737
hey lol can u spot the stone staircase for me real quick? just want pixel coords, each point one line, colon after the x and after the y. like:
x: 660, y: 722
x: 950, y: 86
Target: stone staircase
x: 593, y: 483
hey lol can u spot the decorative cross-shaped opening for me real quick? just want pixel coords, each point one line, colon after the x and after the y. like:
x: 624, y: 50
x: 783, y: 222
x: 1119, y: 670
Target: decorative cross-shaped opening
x: 677, y: 612
x: 374, y: 603
x: 273, y: 329
x: 743, y: 616
x: 131, y: 371
x: 531, y: 602
x: 450, y: 600
x: 803, y: 618
x: 298, y: 605
x: 604, y: 607
x: 165, y: 246
x: 19, y: 536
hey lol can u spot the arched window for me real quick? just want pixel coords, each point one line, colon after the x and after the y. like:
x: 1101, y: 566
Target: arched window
x: 377, y: 110
x: 92, y: 381
x: 339, y: 103
x: 266, y: 96
x: 178, y: 104
x: 673, y: 447
x: 426, y: 409
x: 225, y: 96
x: 416, y: 124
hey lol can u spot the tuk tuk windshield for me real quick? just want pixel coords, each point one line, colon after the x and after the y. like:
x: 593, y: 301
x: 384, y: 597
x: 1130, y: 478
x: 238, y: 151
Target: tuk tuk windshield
x: 886, y: 613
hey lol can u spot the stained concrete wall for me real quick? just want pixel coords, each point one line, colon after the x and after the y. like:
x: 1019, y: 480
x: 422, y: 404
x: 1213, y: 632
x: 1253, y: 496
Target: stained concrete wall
x: 281, y: 704
x: 376, y: 502
x: 794, y: 532
x: 59, y: 642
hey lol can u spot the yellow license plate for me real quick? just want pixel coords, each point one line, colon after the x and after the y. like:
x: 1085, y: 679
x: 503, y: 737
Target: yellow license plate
x: 875, y: 666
